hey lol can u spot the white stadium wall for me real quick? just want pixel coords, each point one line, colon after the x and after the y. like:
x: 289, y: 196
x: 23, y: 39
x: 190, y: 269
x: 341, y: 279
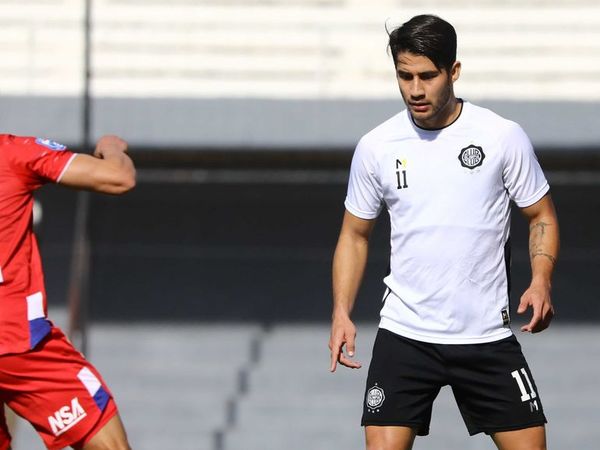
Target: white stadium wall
x: 286, y: 73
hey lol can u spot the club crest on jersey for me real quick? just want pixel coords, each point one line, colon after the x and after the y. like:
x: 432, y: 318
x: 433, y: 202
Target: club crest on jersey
x: 375, y: 398
x: 471, y: 157
x: 52, y: 145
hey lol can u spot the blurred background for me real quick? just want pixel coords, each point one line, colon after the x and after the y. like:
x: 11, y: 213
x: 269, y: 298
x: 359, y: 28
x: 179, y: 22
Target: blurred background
x: 204, y: 295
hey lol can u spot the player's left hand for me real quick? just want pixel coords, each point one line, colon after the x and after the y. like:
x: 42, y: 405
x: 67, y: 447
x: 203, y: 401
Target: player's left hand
x: 109, y: 144
x: 537, y: 296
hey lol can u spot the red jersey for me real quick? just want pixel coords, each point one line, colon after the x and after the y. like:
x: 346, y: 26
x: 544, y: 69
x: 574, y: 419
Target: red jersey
x: 26, y: 163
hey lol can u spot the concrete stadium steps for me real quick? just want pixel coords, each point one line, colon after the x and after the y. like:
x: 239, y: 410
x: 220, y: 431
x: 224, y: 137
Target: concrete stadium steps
x: 181, y: 378
x: 294, y: 401
x: 293, y: 382
x: 255, y: 51
x: 265, y: 438
x: 533, y: 49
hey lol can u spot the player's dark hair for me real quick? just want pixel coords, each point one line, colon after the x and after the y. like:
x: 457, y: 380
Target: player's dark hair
x: 425, y: 35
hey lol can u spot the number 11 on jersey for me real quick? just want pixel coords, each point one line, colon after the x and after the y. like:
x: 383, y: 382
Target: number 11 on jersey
x: 524, y: 395
x: 401, y: 174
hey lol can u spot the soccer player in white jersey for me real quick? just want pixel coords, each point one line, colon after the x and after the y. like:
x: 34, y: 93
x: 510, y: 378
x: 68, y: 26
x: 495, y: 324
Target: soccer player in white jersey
x: 446, y: 171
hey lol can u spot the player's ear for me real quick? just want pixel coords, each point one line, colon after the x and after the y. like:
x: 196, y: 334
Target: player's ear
x: 455, y: 71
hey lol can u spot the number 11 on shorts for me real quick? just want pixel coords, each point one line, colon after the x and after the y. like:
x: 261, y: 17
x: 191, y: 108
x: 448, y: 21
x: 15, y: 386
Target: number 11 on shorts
x: 524, y: 395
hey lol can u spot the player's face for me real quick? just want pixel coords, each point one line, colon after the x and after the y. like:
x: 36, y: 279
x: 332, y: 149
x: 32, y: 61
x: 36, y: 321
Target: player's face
x: 427, y: 91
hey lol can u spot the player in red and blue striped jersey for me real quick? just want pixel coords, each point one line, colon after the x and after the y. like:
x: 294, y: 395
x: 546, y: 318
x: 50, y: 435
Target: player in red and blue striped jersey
x: 43, y: 378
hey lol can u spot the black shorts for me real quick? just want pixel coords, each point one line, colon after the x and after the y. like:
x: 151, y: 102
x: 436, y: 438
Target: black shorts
x: 491, y: 382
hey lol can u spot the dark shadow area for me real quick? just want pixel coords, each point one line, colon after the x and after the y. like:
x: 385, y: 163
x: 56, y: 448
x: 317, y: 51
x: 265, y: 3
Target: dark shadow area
x: 262, y: 252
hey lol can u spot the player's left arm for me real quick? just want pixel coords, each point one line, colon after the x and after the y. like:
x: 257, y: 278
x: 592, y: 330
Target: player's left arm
x: 109, y: 171
x: 543, y: 253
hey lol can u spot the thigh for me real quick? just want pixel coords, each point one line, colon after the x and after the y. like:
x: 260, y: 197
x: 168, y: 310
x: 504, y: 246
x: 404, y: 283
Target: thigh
x: 533, y: 438
x: 494, y: 388
x: 404, y: 379
x: 110, y: 435
x: 389, y: 437
x: 56, y: 390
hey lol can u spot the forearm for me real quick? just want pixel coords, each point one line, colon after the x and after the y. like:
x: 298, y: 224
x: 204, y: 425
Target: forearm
x: 110, y: 175
x: 543, y: 247
x: 349, y: 264
x: 109, y: 170
x: 543, y: 252
x: 121, y: 162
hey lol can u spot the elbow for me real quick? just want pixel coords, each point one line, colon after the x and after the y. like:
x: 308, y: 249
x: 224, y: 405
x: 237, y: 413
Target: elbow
x: 125, y: 183
x: 130, y: 181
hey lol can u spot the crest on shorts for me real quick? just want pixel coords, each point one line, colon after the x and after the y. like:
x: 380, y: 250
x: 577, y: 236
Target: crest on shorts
x: 375, y: 398
x: 52, y: 145
x: 471, y: 157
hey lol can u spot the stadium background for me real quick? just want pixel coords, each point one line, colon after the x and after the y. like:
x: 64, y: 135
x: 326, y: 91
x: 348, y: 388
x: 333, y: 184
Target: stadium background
x: 209, y: 288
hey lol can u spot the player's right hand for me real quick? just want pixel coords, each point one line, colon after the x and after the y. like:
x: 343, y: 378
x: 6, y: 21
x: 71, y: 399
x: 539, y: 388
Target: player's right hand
x: 343, y: 333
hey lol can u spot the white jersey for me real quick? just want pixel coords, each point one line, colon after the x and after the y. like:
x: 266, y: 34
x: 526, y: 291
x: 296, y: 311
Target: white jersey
x: 448, y: 195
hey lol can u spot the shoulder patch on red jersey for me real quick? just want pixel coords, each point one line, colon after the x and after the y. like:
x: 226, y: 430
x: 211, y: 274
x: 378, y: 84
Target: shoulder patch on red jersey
x: 52, y: 145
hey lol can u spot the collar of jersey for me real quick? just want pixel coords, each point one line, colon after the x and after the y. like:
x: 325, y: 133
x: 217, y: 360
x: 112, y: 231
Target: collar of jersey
x: 462, y: 107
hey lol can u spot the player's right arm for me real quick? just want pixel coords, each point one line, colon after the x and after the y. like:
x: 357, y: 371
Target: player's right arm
x: 110, y: 170
x: 349, y: 262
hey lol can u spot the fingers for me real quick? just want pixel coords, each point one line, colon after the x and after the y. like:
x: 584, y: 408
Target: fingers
x: 111, y: 139
x: 546, y: 317
x: 336, y: 344
x: 348, y: 362
x: 537, y: 314
x: 350, y: 346
x: 335, y: 354
x: 522, y: 306
x: 338, y: 356
x: 543, y: 312
x: 535, y: 319
x: 110, y: 143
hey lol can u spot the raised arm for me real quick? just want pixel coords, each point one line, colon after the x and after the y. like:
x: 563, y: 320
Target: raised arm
x: 543, y: 252
x: 349, y: 263
x: 109, y: 171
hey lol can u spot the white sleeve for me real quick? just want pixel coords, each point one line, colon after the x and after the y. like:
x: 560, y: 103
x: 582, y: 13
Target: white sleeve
x: 364, y: 197
x: 523, y: 176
